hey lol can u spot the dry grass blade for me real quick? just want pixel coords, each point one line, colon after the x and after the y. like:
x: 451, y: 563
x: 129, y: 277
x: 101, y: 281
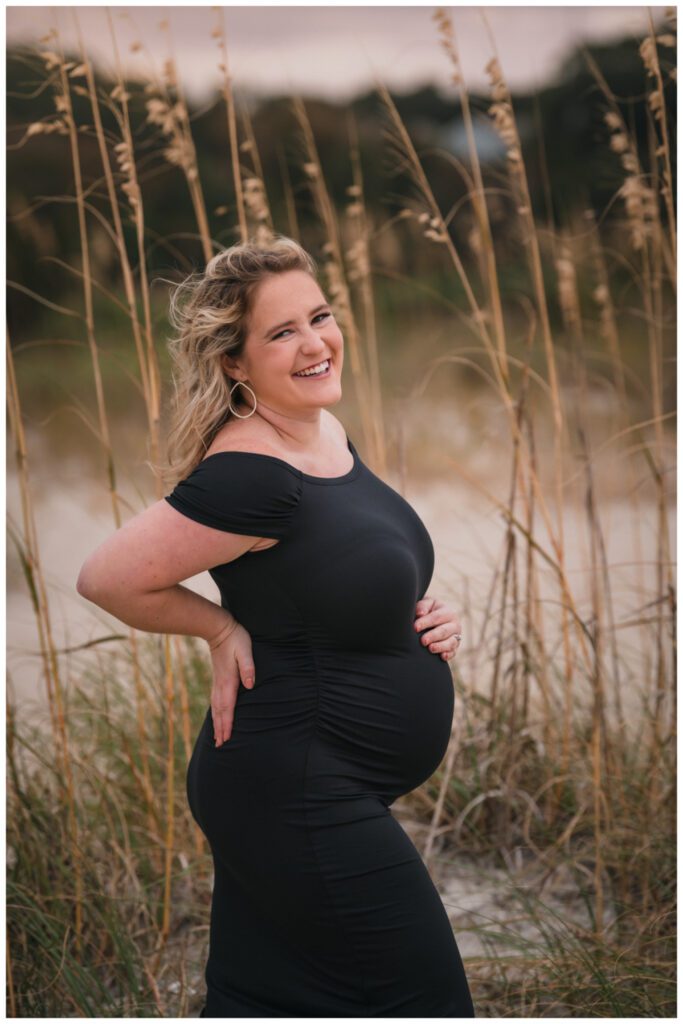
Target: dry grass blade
x: 484, y: 240
x: 219, y: 34
x: 55, y: 696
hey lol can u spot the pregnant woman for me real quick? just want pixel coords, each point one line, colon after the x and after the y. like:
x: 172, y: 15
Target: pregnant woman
x: 331, y: 691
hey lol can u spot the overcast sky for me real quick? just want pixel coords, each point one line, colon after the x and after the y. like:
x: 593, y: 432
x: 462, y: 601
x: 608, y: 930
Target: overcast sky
x: 334, y: 51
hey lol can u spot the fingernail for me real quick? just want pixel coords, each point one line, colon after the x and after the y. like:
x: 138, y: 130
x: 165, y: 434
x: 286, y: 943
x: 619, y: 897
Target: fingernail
x: 250, y: 681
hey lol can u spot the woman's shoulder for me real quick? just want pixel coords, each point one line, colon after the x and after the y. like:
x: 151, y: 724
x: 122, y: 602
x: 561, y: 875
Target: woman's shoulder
x: 235, y: 438
x: 239, y: 490
x: 245, y: 484
x: 243, y: 437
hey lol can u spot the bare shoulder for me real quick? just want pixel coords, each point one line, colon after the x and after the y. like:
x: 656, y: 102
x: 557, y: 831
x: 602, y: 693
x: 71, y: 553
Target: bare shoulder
x: 239, y: 437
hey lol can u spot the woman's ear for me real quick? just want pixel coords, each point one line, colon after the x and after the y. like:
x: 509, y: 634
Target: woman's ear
x: 228, y: 364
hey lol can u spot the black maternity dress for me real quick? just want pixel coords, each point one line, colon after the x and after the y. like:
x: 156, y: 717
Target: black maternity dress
x: 322, y: 905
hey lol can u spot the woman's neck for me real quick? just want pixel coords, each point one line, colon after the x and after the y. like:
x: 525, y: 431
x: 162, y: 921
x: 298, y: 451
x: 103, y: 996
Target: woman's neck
x: 303, y: 432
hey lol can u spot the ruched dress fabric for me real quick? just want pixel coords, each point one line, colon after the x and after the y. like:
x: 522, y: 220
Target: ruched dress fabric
x: 322, y: 905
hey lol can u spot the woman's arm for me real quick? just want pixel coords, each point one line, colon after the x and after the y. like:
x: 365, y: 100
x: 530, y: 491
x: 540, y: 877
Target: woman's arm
x: 134, y: 574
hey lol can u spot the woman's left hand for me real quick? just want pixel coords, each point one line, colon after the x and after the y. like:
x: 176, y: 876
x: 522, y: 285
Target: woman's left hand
x: 441, y: 624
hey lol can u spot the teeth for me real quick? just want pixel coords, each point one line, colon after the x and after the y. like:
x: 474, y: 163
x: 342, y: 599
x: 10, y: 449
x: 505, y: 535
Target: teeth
x: 320, y: 368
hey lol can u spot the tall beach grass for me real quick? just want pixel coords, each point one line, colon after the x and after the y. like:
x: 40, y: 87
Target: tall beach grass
x: 551, y: 780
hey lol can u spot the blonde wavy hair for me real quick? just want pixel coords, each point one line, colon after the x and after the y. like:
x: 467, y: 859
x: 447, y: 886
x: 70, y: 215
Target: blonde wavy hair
x: 209, y: 312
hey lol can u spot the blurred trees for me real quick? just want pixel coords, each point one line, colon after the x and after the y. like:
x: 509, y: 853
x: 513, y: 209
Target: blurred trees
x: 566, y: 151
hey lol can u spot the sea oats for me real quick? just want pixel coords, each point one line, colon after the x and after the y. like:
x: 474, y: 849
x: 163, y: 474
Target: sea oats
x: 358, y: 261
x: 166, y: 107
x: 523, y: 666
x: 169, y: 72
x: 176, y: 153
x: 441, y: 236
x: 619, y: 142
x: 566, y: 289
x: 629, y: 162
x: 255, y: 199
x: 638, y: 197
x: 263, y: 234
x: 494, y: 71
x: 45, y: 128
x: 159, y: 112
x: 474, y: 240
x: 641, y: 209
x: 447, y: 37
x: 231, y: 116
x: 336, y: 286
x: 502, y: 115
x: 648, y: 55
x: 656, y: 104
x: 132, y: 192
x: 51, y: 59
x: 120, y: 94
x: 503, y: 122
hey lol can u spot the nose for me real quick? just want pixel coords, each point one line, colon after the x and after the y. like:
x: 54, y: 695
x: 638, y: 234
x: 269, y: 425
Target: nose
x: 313, y: 340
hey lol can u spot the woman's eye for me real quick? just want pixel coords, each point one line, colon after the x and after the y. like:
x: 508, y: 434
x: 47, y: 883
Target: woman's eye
x: 280, y: 333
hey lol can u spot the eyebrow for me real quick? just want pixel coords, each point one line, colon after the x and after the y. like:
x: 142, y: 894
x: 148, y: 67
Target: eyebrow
x: 323, y: 305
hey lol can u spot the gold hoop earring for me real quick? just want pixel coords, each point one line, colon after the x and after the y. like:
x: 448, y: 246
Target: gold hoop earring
x: 233, y: 411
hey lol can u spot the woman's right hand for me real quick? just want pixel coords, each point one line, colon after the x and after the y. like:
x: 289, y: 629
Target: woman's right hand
x: 232, y: 662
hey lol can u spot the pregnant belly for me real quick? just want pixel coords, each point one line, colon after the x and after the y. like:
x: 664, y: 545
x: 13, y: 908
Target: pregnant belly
x: 382, y: 719
x: 387, y: 718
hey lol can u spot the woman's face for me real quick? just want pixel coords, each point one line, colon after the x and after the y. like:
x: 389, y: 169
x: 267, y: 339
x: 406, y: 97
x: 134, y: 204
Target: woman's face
x: 291, y: 328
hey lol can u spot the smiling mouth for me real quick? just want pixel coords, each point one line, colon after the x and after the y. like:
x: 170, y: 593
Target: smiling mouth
x: 317, y: 370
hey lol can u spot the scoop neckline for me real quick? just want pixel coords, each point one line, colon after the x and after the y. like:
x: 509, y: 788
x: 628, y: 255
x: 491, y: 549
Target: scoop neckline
x: 352, y: 473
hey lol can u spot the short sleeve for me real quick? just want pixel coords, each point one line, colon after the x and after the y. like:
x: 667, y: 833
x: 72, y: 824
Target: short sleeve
x: 240, y: 492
